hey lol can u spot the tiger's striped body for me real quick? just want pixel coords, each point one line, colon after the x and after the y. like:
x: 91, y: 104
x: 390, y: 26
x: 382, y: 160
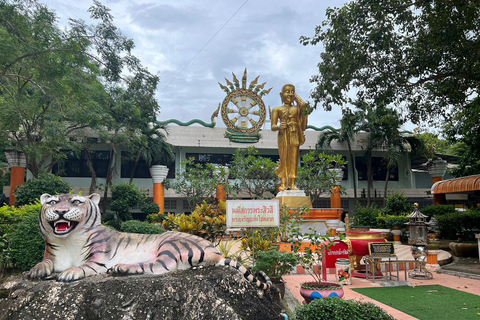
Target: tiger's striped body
x: 78, y: 245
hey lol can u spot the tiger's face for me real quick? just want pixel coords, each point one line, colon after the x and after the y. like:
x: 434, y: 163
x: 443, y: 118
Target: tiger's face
x: 62, y: 214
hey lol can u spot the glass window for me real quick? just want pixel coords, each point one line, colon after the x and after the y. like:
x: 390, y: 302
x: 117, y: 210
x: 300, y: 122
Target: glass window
x: 142, y: 170
x: 75, y: 165
x: 379, y: 169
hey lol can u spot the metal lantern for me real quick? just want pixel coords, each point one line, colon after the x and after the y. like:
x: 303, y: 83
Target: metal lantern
x: 418, y: 228
x: 418, y: 238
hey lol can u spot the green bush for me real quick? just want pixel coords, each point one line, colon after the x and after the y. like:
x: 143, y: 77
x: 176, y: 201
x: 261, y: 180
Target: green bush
x: 125, y: 197
x: 11, y: 216
x: 366, y: 216
x: 150, y: 208
x: 462, y: 225
x: 31, y: 191
x: 340, y: 309
x: 275, y: 263
x: 390, y: 221
x: 135, y: 226
x: 27, y: 243
x: 438, y: 210
x: 396, y: 204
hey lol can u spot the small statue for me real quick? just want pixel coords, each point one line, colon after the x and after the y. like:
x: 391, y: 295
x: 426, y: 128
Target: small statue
x: 293, y: 122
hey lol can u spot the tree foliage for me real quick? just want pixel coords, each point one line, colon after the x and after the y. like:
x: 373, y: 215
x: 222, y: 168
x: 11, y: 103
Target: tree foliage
x: 421, y: 57
x: 56, y: 82
x: 317, y: 175
x: 253, y: 173
x: 32, y: 189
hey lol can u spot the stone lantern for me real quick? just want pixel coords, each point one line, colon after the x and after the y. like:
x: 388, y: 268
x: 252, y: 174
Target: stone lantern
x: 418, y: 238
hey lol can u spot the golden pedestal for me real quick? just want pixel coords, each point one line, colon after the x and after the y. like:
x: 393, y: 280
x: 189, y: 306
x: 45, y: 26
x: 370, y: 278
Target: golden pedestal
x: 295, y: 202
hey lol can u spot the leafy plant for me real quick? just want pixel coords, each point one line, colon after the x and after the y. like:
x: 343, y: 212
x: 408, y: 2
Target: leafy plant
x: 253, y: 173
x: 207, y: 221
x: 197, y: 182
x: 142, y: 227
x: 462, y: 225
x: 262, y: 240
x: 340, y: 309
x: 150, y: 208
x: 396, y: 204
x: 438, y: 210
x: 156, y: 217
x: 228, y: 250
x: 316, y: 175
x: 366, y: 216
x: 124, y: 197
x: 275, y: 263
x: 31, y: 191
x: 391, y: 222
x: 26, y: 242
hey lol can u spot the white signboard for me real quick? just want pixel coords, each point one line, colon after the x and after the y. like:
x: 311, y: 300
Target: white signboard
x: 253, y: 213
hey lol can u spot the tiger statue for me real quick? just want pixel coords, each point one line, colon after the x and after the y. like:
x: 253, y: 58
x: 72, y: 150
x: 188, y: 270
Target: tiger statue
x: 77, y: 245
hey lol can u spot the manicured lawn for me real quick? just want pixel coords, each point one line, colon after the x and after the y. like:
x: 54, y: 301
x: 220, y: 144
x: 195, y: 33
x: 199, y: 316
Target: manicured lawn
x: 428, y: 302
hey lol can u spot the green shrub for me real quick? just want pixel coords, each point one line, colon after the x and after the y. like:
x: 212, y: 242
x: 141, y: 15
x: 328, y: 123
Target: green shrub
x: 366, y: 216
x: 31, y: 191
x: 462, y: 225
x: 438, y: 210
x: 395, y: 221
x: 125, y: 197
x: 396, y: 204
x: 340, y: 309
x: 135, y: 226
x: 275, y: 263
x: 150, y: 208
x: 11, y: 216
x: 27, y: 243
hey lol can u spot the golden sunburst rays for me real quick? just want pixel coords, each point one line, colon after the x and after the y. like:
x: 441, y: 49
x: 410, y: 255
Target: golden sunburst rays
x: 253, y: 87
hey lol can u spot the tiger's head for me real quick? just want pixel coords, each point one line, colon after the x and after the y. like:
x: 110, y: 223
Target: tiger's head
x: 65, y: 213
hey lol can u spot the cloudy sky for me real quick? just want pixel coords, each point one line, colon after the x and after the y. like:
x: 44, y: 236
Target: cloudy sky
x: 193, y: 45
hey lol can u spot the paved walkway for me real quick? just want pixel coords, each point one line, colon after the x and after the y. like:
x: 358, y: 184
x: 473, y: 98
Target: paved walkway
x: 465, y: 279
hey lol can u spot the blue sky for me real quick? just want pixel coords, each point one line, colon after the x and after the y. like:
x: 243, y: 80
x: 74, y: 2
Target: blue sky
x: 193, y: 45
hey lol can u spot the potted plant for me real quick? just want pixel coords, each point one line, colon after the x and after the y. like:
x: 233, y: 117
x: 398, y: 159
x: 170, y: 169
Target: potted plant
x: 309, y: 254
x: 275, y: 264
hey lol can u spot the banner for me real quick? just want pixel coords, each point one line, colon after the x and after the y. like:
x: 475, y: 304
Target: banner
x: 253, y: 213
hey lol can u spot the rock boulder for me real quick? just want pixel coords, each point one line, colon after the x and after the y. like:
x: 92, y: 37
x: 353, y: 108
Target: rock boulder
x: 202, y: 293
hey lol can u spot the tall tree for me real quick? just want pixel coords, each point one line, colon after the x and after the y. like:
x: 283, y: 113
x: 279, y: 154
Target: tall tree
x: 349, y: 126
x: 52, y: 81
x: 418, y: 56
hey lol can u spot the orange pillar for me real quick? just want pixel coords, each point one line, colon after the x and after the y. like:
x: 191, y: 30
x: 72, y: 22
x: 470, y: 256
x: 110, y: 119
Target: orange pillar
x: 335, y: 198
x: 221, y: 193
x: 438, y: 198
x: 17, y: 178
x: 159, y: 196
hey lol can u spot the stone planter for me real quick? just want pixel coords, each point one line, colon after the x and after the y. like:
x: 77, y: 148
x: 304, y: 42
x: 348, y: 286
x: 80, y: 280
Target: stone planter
x: 464, y: 249
x: 314, y: 290
x: 158, y: 173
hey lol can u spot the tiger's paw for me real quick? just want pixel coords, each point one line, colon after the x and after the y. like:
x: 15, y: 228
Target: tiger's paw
x: 71, y: 274
x: 125, y: 269
x: 41, y: 270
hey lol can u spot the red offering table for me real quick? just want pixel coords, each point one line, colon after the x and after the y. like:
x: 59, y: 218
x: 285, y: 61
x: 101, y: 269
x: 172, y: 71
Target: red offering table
x: 357, y: 242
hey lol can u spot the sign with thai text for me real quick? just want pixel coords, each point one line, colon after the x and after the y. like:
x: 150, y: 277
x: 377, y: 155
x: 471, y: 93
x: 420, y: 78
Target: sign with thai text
x: 253, y: 213
x: 381, y: 249
x: 338, y: 250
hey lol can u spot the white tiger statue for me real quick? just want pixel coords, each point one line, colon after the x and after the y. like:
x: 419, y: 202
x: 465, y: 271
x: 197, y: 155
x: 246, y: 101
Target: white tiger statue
x: 77, y: 245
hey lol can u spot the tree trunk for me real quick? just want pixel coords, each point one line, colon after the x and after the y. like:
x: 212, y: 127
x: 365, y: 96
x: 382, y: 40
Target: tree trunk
x: 108, y: 182
x: 354, y: 169
x: 135, y: 166
x: 93, y: 183
x: 370, y: 178
x: 386, y: 187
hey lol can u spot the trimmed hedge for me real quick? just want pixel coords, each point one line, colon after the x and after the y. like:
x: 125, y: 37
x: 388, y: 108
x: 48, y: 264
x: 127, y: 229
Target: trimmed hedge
x: 438, y: 210
x: 27, y: 243
x: 462, y: 225
x: 10, y: 216
x: 340, y: 309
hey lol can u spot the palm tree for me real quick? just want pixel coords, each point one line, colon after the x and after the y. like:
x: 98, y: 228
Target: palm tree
x: 383, y: 126
x: 348, y: 128
x: 152, y: 147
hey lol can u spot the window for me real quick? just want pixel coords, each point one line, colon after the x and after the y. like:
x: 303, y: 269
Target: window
x: 170, y: 204
x: 142, y: 170
x: 379, y: 169
x: 213, y: 158
x: 75, y: 165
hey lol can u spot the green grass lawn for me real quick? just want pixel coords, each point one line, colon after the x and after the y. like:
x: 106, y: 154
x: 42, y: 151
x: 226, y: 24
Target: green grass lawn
x: 428, y: 302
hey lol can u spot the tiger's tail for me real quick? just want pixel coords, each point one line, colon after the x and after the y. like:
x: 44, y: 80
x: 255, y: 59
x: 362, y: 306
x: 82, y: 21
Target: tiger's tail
x: 266, y: 284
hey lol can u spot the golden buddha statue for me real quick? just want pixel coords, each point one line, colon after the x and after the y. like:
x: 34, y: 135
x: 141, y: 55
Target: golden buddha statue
x: 293, y: 122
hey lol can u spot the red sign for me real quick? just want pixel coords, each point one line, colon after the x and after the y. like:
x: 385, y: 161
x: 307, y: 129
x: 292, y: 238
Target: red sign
x: 337, y: 250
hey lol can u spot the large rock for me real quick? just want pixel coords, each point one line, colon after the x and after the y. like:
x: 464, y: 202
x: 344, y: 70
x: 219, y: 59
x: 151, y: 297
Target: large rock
x: 203, y: 293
